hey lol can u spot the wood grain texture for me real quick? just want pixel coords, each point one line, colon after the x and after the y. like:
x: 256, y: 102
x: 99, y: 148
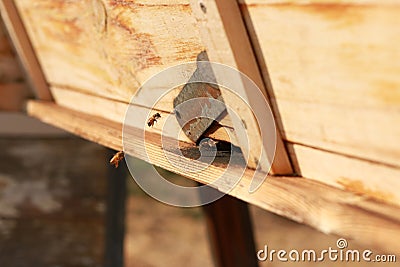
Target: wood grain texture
x: 24, y: 49
x: 109, y: 48
x: 332, y: 111
x: 334, y: 69
x: 362, y: 177
x: 225, y: 36
x: 324, y: 207
x: 116, y: 111
x: 328, y: 2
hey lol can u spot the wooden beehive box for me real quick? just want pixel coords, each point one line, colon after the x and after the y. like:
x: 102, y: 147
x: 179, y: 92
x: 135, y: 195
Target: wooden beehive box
x: 329, y: 68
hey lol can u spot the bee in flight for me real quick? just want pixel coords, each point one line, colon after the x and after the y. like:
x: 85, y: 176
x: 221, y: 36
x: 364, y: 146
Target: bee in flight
x: 117, y: 158
x: 153, y: 119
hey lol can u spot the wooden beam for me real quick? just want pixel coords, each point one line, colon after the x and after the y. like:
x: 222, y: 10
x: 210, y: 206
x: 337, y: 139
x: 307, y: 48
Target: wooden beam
x: 231, y: 233
x: 107, y: 133
x: 225, y: 37
x: 115, y: 220
x: 323, y: 207
x: 24, y: 49
x: 340, y: 170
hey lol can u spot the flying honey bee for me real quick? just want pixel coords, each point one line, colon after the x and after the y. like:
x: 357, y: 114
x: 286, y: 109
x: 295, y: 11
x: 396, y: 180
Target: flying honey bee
x: 117, y: 158
x: 153, y: 119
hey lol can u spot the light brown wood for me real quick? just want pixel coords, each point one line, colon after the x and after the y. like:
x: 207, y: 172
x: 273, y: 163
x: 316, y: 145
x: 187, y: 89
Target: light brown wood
x: 362, y: 177
x: 13, y: 89
x: 351, y: 152
x: 93, y: 128
x: 324, y: 207
x: 326, y: 2
x: 24, y: 49
x: 225, y: 36
x: 116, y: 110
x: 334, y: 67
x: 109, y: 48
x: 354, y: 174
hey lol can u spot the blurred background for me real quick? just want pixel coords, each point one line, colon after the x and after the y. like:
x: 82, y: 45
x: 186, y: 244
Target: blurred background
x: 62, y: 204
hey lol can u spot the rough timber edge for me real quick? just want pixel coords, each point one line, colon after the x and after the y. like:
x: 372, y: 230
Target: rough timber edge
x: 323, y: 207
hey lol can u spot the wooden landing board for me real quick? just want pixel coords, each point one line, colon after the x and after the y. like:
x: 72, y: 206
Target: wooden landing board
x: 326, y: 208
x: 334, y: 68
x: 116, y: 111
x: 354, y: 174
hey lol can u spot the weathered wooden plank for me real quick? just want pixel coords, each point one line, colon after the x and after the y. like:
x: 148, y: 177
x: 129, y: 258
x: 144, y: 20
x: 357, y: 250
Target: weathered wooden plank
x: 107, y: 133
x: 24, y: 49
x: 116, y: 111
x: 351, y: 174
x: 225, y: 36
x: 365, y: 132
x: 109, y: 48
x: 326, y: 208
x: 90, y: 57
x: 229, y: 222
x: 334, y: 69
